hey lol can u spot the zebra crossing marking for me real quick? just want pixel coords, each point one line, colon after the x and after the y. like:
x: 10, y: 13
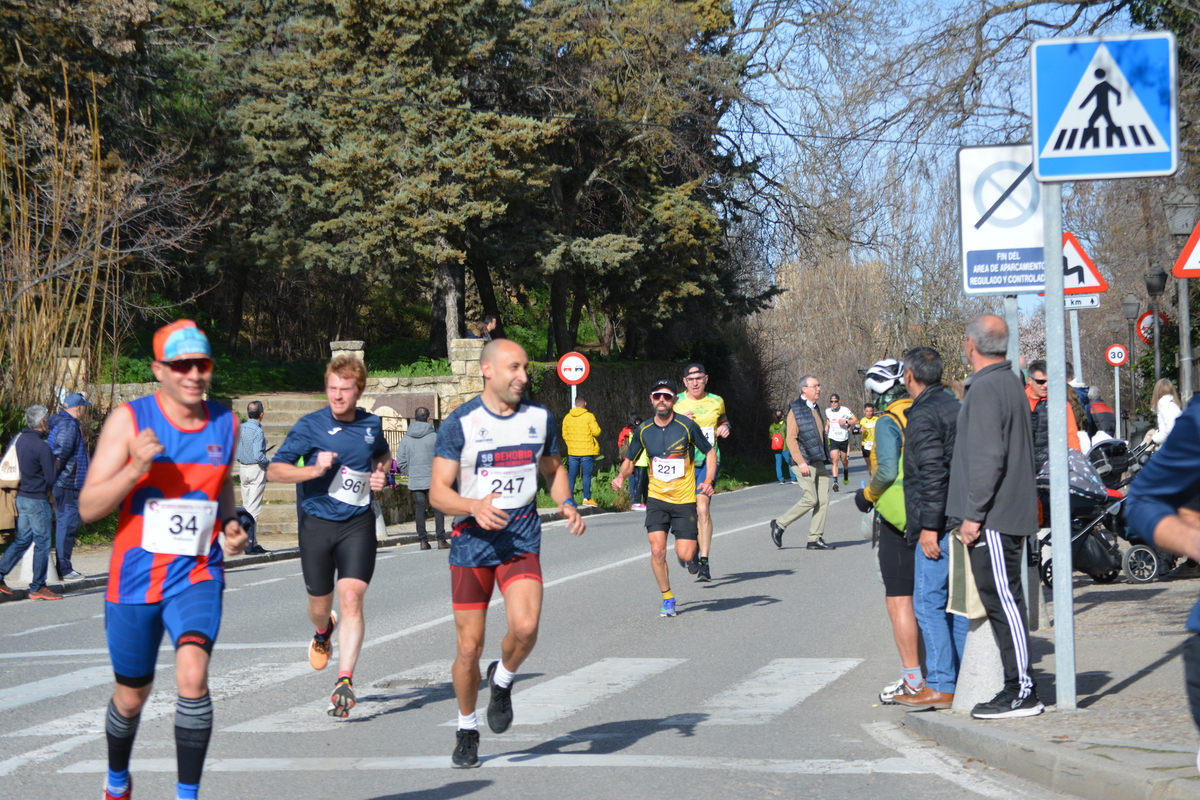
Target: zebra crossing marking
x: 770, y: 691
x: 17, y: 696
x: 426, y: 683
x: 567, y: 694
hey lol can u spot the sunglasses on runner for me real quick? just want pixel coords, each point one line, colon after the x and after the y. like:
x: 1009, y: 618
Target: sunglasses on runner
x: 184, y: 365
x: 662, y: 396
x: 1042, y: 382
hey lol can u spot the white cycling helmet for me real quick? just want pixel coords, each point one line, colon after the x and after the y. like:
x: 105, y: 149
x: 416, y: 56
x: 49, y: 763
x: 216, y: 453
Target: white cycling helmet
x: 885, y: 381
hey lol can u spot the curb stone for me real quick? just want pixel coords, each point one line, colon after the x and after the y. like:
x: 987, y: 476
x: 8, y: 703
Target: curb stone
x: 236, y: 562
x: 1056, y: 768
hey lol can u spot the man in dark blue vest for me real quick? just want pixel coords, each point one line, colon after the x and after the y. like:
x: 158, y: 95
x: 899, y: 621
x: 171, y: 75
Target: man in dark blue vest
x: 805, y: 439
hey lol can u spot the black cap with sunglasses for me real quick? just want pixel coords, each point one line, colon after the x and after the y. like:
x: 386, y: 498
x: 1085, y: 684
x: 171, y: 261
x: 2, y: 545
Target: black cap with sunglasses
x: 665, y: 382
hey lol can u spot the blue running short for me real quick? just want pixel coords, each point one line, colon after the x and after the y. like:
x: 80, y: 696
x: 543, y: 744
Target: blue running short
x: 701, y: 472
x: 134, y: 630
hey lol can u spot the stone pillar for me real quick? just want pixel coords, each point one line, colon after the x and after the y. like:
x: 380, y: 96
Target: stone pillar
x: 981, y: 675
x: 349, y: 347
x: 464, y: 364
x: 70, y: 370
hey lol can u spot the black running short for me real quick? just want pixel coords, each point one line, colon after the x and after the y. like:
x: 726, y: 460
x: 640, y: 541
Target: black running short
x: 347, y: 546
x: 897, y: 560
x: 843, y: 446
x: 676, y: 518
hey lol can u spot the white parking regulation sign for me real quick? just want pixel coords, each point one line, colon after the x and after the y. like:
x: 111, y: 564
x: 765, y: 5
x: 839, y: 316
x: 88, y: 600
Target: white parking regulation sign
x: 1000, y: 220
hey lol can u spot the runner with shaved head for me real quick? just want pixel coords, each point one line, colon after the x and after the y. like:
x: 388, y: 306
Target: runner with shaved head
x: 489, y: 452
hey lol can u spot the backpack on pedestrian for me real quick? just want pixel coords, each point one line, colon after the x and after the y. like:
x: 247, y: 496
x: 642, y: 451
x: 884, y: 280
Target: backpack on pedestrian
x: 10, y: 466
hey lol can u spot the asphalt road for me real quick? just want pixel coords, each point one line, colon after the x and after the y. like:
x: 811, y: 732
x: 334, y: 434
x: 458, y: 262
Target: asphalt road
x: 765, y: 685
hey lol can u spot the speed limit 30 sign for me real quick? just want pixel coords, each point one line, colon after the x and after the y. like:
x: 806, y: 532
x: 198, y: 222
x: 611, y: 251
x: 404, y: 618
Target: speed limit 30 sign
x: 1116, y: 355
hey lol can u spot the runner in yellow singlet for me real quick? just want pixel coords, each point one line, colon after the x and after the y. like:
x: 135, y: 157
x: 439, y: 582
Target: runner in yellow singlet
x: 866, y: 426
x: 708, y: 412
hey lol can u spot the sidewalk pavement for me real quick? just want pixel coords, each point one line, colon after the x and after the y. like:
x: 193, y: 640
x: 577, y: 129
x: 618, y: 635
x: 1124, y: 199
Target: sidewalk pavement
x: 1132, y: 735
x: 93, y: 560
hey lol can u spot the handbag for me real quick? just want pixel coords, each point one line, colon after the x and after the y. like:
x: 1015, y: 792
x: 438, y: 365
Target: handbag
x: 10, y: 467
x: 964, y: 594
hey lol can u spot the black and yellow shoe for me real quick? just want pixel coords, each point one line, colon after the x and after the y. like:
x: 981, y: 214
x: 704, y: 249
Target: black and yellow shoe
x: 342, y: 699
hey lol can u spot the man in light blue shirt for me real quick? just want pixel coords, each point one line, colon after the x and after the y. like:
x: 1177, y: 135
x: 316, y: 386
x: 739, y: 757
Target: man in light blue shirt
x: 251, y: 456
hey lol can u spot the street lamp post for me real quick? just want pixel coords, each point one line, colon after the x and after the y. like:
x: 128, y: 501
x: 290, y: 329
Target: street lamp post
x: 1130, y: 307
x: 1182, y: 209
x: 1156, y: 282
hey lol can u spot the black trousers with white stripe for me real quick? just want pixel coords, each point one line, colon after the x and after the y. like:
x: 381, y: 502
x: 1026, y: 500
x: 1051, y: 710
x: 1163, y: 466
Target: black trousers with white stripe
x: 996, y: 564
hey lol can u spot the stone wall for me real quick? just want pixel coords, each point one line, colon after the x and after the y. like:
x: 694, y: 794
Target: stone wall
x: 613, y: 391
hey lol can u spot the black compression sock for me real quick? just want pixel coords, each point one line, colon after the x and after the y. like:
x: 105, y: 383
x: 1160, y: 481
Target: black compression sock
x: 120, y: 732
x: 193, y: 729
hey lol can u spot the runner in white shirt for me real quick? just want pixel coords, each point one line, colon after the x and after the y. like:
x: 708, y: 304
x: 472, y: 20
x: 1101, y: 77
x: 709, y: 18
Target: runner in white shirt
x: 838, y: 421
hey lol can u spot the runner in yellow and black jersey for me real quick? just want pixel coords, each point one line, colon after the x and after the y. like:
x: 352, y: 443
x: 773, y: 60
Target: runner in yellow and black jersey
x: 671, y: 442
x: 708, y: 411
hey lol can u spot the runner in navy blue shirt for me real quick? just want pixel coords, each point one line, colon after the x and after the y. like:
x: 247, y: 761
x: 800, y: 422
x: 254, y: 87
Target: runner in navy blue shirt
x: 1163, y: 506
x: 485, y: 467
x: 344, y: 453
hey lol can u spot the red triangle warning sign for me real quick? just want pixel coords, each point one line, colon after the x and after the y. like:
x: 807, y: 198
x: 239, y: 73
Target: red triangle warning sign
x: 1188, y: 263
x: 1080, y: 275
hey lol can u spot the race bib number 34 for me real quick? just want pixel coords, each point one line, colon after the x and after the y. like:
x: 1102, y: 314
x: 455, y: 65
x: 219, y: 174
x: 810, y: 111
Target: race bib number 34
x: 178, y: 527
x: 352, y: 488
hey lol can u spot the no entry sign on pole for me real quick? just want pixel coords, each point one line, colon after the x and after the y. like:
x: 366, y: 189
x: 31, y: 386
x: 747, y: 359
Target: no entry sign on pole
x: 1145, y: 325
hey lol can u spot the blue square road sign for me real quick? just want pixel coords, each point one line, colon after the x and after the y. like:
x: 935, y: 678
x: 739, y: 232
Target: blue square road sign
x: 1105, y: 107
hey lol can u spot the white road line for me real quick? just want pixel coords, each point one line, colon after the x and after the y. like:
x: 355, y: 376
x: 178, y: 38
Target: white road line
x: 769, y: 692
x: 101, y: 651
x: 417, y: 685
x: 563, y: 696
x: 16, y: 696
x: 44, y: 628
x: 268, y: 580
x: 895, y: 766
x: 937, y: 761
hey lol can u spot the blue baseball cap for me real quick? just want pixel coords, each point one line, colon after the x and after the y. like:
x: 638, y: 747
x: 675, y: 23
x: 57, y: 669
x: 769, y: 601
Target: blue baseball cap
x: 178, y: 339
x: 75, y: 400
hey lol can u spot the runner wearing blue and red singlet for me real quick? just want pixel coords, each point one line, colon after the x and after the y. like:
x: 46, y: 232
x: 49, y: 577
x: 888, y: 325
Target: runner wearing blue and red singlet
x: 164, y: 462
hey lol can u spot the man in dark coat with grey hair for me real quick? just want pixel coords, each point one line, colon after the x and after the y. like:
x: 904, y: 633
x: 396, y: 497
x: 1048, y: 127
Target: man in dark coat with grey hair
x: 414, y: 458
x: 993, y: 499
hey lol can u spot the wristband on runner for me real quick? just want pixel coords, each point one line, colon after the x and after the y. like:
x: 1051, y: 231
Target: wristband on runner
x: 570, y: 501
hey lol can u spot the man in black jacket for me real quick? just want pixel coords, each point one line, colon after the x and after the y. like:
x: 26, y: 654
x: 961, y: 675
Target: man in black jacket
x: 36, y: 462
x: 805, y: 440
x: 928, y: 449
x: 993, y: 497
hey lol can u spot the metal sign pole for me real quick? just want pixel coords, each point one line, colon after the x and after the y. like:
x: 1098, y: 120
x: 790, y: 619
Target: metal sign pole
x: 1185, y: 342
x: 1012, y: 318
x: 572, y: 396
x: 1060, y: 503
x: 1117, y: 395
x: 1077, y: 357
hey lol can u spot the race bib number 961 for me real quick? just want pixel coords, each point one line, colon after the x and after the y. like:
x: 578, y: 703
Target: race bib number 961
x: 351, y: 487
x: 178, y: 527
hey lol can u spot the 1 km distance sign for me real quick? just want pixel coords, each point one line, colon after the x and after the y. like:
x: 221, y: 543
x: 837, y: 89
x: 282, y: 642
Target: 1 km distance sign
x: 574, y: 368
x: 1116, y: 355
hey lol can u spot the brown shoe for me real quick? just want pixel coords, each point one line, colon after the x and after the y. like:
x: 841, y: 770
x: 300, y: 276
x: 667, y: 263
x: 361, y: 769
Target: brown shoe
x: 924, y: 700
x: 443, y: 545
x: 45, y: 593
x: 4, y: 588
x: 426, y: 546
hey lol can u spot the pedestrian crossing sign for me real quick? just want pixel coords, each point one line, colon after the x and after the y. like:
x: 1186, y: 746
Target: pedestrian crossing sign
x: 1105, y: 107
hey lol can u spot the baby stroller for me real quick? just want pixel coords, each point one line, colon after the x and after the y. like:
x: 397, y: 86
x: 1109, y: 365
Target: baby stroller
x: 1095, y: 510
x: 1143, y: 562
